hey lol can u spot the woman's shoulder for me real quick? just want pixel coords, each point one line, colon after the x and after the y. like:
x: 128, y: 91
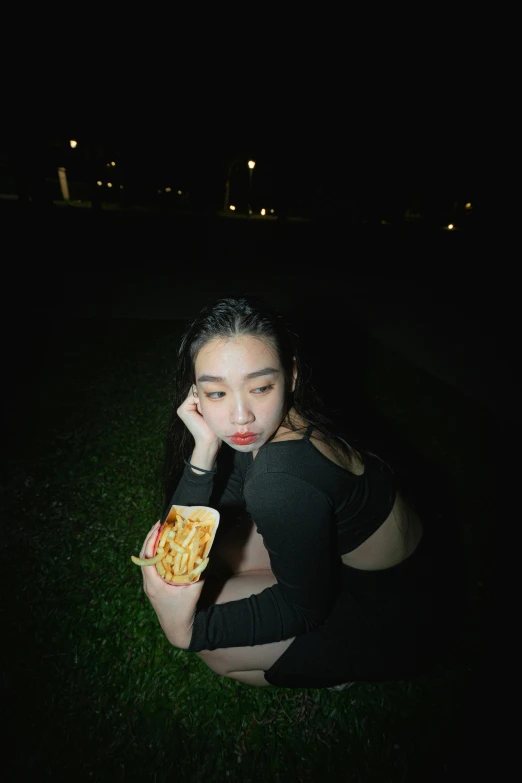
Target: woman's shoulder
x: 331, y: 449
x: 347, y: 459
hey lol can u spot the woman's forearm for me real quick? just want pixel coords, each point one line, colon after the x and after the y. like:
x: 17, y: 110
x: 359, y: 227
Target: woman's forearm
x: 203, y: 457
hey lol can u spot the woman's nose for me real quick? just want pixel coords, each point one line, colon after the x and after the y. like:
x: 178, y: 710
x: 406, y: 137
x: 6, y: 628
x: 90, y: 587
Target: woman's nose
x: 241, y: 413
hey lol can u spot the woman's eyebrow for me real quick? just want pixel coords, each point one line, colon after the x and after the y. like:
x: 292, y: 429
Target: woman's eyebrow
x: 248, y: 376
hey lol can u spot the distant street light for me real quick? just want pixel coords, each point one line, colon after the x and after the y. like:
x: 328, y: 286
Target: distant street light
x: 251, y: 164
x: 73, y: 144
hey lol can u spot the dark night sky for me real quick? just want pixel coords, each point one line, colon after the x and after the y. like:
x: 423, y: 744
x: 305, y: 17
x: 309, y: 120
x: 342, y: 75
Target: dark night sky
x: 381, y: 162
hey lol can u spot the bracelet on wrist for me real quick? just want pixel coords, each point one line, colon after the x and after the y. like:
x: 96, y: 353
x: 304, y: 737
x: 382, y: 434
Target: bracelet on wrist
x: 202, y: 470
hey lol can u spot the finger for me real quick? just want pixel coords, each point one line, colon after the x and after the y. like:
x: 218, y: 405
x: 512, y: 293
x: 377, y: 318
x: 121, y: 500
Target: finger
x: 192, y: 395
x: 152, y: 581
x: 150, y: 578
x: 190, y: 404
x: 148, y: 544
x: 151, y: 540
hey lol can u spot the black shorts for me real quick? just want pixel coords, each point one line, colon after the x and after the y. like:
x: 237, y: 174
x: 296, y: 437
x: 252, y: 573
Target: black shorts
x: 386, y: 625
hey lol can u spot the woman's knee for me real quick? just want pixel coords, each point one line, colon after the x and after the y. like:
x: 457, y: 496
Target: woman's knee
x: 245, y: 584
x: 220, y: 591
x: 221, y: 588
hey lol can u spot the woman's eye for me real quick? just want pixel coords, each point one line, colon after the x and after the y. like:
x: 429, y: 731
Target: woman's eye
x: 219, y: 395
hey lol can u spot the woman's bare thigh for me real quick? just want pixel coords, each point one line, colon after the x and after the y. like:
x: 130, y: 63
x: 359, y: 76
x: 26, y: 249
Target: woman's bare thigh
x: 239, y: 567
x: 239, y: 659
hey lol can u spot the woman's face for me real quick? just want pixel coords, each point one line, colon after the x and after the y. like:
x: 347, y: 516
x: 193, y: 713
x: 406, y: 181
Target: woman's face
x: 241, y: 389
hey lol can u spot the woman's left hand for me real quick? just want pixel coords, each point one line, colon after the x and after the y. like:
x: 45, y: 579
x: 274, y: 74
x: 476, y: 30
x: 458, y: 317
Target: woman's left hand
x: 175, y: 606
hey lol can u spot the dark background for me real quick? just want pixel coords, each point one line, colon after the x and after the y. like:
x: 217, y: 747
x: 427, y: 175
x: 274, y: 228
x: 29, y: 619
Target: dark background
x: 357, y: 248
x: 358, y: 234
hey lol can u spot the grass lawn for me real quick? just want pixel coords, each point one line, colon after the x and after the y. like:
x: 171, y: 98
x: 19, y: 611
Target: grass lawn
x: 92, y: 689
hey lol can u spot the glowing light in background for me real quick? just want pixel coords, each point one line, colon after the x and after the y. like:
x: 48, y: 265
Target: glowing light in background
x: 251, y: 164
x: 263, y: 211
x: 232, y: 207
x: 468, y: 205
x: 62, y: 176
x: 450, y: 226
x: 167, y: 190
x: 99, y: 182
x: 179, y: 192
x: 109, y: 184
x: 73, y: 144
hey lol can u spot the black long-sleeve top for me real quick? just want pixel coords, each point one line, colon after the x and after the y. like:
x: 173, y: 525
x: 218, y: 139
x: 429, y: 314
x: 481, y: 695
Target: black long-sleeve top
x: 309, y: 512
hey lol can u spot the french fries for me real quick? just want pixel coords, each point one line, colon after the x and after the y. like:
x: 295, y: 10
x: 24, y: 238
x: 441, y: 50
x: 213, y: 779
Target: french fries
x: 183, y: 544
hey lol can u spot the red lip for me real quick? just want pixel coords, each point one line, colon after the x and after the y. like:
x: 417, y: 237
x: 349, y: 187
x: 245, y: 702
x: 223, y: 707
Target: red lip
x: 244, y: 438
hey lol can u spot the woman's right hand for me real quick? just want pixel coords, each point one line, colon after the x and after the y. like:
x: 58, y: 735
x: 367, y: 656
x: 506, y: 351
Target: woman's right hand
x: 190, y: 414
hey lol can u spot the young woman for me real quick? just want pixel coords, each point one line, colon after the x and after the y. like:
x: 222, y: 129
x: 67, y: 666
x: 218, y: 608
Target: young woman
x: 321, y: 572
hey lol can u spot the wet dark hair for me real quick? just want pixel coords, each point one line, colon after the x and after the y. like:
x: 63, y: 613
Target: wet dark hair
x: 229, y: 318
